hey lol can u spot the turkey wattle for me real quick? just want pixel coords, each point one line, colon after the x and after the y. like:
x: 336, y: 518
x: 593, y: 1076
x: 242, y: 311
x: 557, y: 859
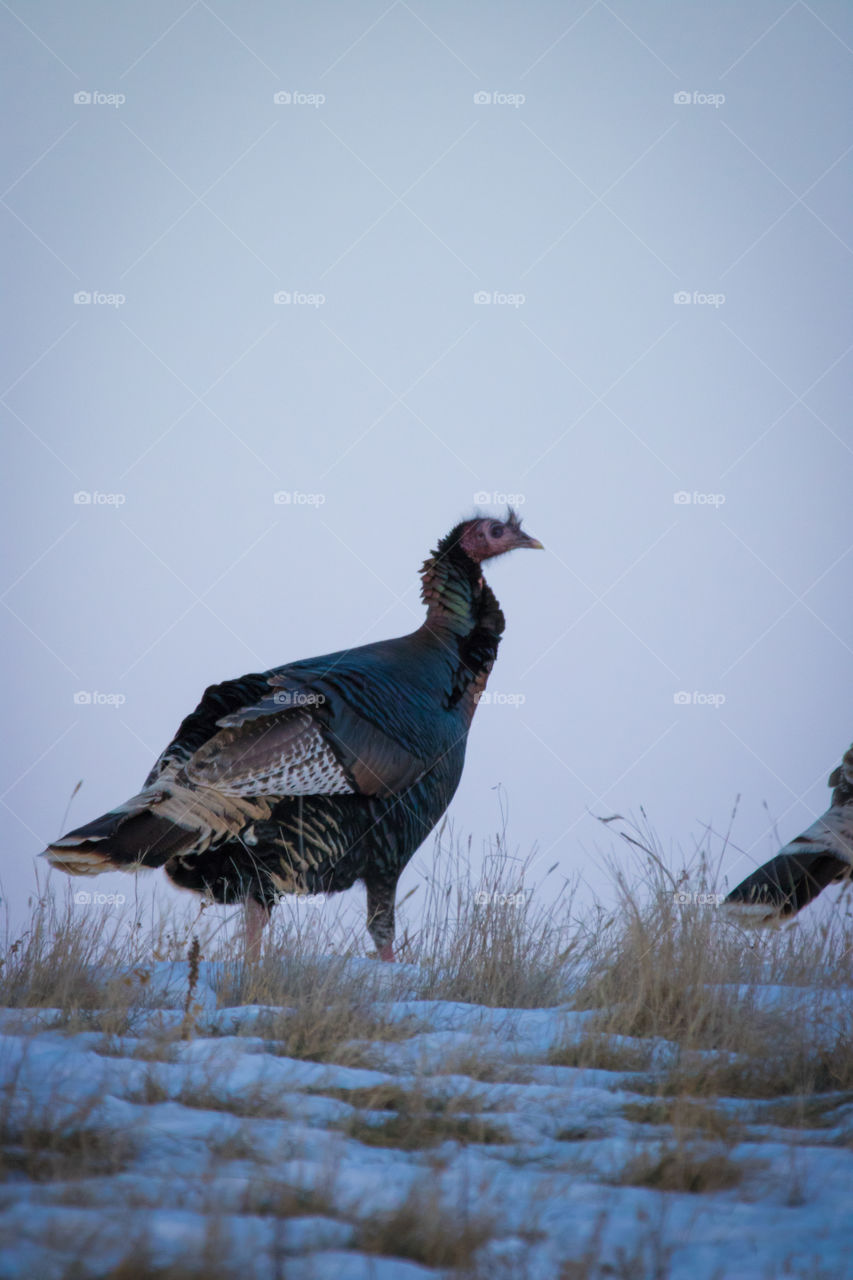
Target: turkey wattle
x: 311, y: 776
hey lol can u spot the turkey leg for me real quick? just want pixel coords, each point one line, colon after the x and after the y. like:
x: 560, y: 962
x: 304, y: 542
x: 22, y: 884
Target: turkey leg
x: 380, y: 915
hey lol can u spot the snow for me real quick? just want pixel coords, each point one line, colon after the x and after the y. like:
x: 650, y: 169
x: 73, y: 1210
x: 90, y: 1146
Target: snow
x: 227, y: 1149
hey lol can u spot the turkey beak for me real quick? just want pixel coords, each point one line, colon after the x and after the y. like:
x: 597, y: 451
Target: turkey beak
x: 525, y: 540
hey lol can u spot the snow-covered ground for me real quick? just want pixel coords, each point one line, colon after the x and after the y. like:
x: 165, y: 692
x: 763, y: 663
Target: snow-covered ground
x: 458, y: 1141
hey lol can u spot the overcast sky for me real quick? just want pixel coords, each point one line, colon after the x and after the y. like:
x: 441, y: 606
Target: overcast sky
x: 382, y: 260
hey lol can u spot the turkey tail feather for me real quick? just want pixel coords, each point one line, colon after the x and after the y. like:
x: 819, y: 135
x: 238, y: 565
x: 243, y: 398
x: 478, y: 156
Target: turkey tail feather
x: 123, y: 840
x: 798, y: 873
x: 783, y: 886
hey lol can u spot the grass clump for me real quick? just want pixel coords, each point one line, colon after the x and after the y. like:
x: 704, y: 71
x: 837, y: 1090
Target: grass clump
x: 422, y: 1229
x: 415, y: 1119
x: 598, y: 1052
x: 793, y: 1062
x: 686, y: 1117
x: 683, y: 1165
x: 485, y: 937
x: 46, y: 1153
x: 419, y: 1131
x: 331, y: 1012
x: 809, y: 1113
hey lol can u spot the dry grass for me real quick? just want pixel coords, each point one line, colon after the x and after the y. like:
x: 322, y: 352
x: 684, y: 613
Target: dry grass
x: 149, y: 1092
x: 203, y: 1095
x: 330, y: 1012
x: 158, y: 1044
x: 251, y: 1103
x: 47, y: 1153
x: 138, y: 1264
x: 479, y: 1066
x: 486, y: 937
x: 667, y: 966
x: 784, y: 1059
x: 235, y: 1146
x: 421, y: 1130
x: 599, y: 1053
x: 417, y: 1120
x: 55, y: 1140
x: 422, y: 1229
x: 87, y: 966
x: 657, y: 967
x: 694, y: 1154
x: 809, y: 1113
x: 269, y: 1198
x: 660, y: 956
x: 93, y: 965
x: 686, y: 1116
x: 684, y: 1165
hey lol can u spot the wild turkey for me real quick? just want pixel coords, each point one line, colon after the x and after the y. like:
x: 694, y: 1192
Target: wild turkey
x: 820, y: 856
x: 311, y: 776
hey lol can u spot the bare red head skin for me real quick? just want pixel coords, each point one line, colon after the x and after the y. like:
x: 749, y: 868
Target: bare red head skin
x: 484, y: 538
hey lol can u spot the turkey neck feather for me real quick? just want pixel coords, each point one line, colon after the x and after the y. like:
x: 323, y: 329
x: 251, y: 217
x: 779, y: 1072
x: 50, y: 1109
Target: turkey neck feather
x: 464, y: 615
x: 457, y: 597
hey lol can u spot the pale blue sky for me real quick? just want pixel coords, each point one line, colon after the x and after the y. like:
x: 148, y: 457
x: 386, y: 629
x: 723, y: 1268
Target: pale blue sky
x: 582, y: 386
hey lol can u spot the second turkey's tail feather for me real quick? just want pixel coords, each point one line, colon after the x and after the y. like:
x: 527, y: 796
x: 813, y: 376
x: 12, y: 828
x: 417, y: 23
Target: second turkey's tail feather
x: 783, y: 886
x: 798, y: 873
